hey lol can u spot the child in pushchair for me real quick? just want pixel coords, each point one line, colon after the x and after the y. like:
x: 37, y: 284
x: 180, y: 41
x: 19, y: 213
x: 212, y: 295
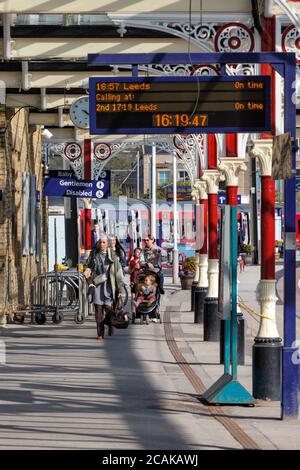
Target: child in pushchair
x: 147, y: 301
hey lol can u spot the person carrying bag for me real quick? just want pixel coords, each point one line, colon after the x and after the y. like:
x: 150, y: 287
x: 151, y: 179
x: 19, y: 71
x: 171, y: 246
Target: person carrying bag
x: 106, y: 285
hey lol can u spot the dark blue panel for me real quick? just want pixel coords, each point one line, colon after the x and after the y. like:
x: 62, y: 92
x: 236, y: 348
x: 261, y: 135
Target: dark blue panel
x: 62, y: 187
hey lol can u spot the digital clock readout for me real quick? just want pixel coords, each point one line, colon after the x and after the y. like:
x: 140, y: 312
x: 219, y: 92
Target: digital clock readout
x: 180, y: 120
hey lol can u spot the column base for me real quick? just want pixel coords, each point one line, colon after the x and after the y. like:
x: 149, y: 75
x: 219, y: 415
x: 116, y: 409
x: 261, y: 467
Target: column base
x: 211, y: 320
x: 240, y: 340
x: 200, y: 295
x: 290, y: 376
x: 266, y: 368
x: 194, y: 285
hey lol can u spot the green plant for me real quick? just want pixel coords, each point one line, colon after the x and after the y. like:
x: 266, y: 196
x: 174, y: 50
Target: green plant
x: 189, y: 265
x: 246, y: 248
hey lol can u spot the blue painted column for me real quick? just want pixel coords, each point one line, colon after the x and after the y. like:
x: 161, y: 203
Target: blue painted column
x: 290, y: 367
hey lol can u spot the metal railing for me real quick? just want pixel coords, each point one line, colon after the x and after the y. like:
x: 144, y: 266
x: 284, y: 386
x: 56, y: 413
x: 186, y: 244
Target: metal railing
x: 57, y: 293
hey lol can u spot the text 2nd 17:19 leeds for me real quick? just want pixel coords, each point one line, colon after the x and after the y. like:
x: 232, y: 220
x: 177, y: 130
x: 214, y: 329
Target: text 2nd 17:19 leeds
x: 123, y: 107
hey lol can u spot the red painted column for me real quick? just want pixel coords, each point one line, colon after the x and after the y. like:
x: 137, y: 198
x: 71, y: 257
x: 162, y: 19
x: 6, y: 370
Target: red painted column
x: 268, y: 45
x: 87, y: 211
x: 267, y: 228
x: 212, y: 159
x: 203, y: 250
x: 213, y: 225
x: 231, y: 194
x: 231, y: 145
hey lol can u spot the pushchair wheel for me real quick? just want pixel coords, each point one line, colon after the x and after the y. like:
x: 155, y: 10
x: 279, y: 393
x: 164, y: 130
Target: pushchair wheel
x: 79, y: 319
x: 40, y: 318
x: 146, y: 319
x: 57, y: 318
x: 19, y: 318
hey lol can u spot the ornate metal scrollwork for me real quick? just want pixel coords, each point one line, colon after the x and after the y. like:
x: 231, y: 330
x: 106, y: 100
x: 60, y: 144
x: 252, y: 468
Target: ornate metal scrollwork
x: 291, y: 41
x: 234, y: 37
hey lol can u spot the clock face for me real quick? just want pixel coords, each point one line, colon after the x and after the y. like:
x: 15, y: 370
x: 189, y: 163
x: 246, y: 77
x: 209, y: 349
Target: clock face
x: 80, y: 113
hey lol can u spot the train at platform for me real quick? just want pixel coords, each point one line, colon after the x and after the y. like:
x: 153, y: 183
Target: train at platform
x: 130, y: 222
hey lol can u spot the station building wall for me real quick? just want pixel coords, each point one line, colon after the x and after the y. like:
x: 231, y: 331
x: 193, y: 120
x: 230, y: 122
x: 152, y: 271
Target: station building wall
x: 23, y: 219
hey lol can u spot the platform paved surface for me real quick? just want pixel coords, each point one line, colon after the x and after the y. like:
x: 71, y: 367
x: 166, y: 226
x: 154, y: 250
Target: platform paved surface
x: 63, y: 389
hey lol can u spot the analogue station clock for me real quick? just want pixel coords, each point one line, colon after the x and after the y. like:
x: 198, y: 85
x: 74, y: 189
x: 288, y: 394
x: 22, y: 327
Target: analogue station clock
x: 79, y: 112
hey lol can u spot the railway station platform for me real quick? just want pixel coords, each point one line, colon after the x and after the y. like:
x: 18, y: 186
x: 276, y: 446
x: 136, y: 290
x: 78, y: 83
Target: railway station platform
x: 139, y: 389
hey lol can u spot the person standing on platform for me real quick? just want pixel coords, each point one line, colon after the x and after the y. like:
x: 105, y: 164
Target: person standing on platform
x: 118, y: 250
x: 107, y: 284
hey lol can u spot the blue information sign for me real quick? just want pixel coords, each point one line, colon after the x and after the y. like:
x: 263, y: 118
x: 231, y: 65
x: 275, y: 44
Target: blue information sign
x: 171, y: 105
x: 63, y: 187
x: 222, y: 199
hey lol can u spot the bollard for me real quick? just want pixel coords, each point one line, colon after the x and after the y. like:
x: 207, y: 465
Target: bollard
x: 200, y: 295
x: 240, y: 340
x: 266, y: 369
x: 211, y: 320
x: 193, y: 289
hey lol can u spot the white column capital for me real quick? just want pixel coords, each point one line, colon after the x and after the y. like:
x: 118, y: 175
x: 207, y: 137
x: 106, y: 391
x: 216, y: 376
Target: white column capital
x: 231, y: 167
x: 201, y: 189
x: 263, y: 149
x: 212, y: 179
x: 195, y: 195
x: 88, y: 203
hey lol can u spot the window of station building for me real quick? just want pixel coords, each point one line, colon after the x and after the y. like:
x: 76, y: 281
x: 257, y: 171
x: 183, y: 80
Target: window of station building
x: 163, y: 177
x: 183, y: 175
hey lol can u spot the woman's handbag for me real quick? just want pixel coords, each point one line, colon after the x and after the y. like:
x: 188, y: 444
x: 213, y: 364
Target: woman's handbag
x: 118, y: 317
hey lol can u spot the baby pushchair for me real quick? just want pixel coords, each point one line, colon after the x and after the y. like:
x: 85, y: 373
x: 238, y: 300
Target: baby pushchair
x: 147, y: 310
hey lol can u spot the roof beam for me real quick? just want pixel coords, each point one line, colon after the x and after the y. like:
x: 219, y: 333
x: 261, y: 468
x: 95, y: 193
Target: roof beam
x: 75, y: 48
x: 103, y: 6
x: 80, y: 31
x: 54, y: 79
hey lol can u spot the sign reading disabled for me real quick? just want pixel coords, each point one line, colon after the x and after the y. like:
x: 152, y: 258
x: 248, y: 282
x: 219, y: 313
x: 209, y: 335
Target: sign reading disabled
x: 62, y: 187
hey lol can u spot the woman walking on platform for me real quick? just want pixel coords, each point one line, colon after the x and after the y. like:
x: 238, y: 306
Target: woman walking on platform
x: 107, y: 284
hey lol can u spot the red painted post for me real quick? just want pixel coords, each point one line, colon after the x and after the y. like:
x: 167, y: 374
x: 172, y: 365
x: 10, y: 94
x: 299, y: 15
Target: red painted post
x: 231, y: 145
x: 267, y: 228
x: 212, y: 158
x: 203, y: 249
x: 87, y: 211
x: 232, y: 193
x: 213, y: 225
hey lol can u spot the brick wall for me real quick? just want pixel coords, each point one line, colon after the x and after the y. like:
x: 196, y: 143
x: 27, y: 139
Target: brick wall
x: 20, y: 151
